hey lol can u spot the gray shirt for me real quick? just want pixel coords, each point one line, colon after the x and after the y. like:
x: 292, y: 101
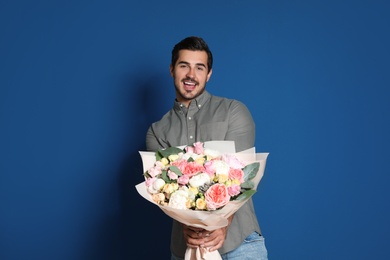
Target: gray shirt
x: 208, y: 118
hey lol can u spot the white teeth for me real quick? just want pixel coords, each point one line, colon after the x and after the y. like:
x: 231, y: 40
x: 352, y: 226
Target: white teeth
x: 189, y: 83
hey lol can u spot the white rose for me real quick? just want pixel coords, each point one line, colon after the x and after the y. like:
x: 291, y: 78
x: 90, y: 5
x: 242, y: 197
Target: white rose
x: 191, y: 192
x: 194, y: 156
x: 221, y: 168
x: 211, y: 153
x: 178, y: 199
x: 152, y: 190
x: 199, y: 180
x: 158, y: 184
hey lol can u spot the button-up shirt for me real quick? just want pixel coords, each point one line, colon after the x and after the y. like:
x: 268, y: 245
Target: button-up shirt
x: 208, y: 118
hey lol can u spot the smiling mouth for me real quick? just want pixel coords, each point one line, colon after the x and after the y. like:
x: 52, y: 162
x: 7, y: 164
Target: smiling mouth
x: 189, y: 84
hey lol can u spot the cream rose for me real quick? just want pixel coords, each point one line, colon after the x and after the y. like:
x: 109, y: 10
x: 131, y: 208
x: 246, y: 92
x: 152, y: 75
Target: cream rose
x: 178, y: 199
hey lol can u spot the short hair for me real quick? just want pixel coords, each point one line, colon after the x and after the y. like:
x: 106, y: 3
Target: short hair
x: 192, y: 43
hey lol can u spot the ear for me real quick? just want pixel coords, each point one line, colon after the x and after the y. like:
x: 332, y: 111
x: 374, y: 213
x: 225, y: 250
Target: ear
x: 171, y: 70
x: 209, y: 75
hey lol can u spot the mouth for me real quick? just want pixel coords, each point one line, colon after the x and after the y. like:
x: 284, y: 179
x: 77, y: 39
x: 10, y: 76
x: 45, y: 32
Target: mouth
x: 189, y: 85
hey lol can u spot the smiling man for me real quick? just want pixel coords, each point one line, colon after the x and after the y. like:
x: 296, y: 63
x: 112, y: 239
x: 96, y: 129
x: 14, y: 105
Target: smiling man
x: 190, y: 73
x: 198, y: 116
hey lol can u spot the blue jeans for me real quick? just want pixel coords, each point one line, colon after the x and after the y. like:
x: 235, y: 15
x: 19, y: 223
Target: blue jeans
x: 253, y: 248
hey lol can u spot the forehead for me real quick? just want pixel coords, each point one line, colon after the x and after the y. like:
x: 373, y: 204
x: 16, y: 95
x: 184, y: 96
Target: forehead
x: 193, y: 57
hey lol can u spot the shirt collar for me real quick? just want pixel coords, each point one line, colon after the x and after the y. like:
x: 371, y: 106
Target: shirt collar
x: 199, y: 101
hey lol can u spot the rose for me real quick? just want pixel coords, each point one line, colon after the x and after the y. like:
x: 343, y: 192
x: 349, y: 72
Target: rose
x: 211, y: 154
x: 178, y: 199
x: 172, y: 175
x: 233, y: 161
x: 159, y: 198
x: 199, y: 180
x: 236, y: 174
x: 195, y: 148
x: 209, y: 168
x: 156, y: 170
x: 158, y: 184
x: 170, y: 188
x: 234, y: 190
x: 198, y: 147
x: 221, y: 171
x: 191, y: 168
x: 200, y: 204
x: 183, y: 180
x: 216, y: 196
x: 221, y: 168
x: 173, y: 157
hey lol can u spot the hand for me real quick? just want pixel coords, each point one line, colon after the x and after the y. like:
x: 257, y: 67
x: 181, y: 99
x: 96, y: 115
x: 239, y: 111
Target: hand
x: 198, y: 237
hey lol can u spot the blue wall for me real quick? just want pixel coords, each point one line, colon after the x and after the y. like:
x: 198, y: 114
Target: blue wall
x: 80, y: 82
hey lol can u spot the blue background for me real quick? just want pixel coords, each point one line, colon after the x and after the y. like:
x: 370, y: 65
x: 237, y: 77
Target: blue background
x: 80, y: 82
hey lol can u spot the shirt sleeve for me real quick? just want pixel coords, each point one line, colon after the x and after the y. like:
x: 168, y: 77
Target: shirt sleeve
x: 152, y: 143
x: 241, y: 127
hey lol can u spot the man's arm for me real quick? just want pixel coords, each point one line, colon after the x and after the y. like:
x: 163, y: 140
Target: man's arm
x: 152, y: 143
x: 241, y: 127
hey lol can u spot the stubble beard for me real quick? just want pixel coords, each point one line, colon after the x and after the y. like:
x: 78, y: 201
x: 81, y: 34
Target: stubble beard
x: 189, y: 95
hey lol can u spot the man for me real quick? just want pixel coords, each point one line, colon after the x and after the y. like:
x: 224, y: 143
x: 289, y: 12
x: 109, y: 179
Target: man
x: 198, y: 116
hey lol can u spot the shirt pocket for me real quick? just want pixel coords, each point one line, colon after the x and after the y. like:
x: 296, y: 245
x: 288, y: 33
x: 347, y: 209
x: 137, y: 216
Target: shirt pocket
x: 215, y: 131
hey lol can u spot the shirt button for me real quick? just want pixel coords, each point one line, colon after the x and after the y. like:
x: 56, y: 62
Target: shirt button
x: 189, y: 118
x: 190, y: 136
x: 199, y: 106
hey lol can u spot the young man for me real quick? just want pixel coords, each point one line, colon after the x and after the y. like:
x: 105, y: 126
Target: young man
x: 198, y: 116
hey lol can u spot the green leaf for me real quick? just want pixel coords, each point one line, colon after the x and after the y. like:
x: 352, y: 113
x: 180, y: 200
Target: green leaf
x: 246, y: 194
x: 251, y: 170
x: 247, y: 185
x: 175, y: 170
x: 164, y: 176
x: 167, y: 152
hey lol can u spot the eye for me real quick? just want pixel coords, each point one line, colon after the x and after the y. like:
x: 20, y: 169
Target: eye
x: 201, y: 68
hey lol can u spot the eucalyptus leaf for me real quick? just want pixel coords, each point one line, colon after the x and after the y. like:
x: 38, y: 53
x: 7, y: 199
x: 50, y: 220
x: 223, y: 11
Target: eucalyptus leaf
x: 164, y: 176
x: 251, y: 170
x: 176, y: 170
x: 246, y: 194
x: 169, y: 151
x: 247, y: 185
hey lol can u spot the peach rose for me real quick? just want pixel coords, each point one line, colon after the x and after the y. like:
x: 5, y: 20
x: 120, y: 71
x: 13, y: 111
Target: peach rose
x: 217, y: 196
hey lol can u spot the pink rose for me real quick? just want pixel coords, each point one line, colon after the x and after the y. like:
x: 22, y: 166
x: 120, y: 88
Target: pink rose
x: 233, y: 161
x: 216, y: 196
x: 172, y: 175
x: 150, y: 181
x: 191, y: 168
x: 154, y: 171
x: 189, y: 149
x: 198, y: 148
x: 209, y: 168
x: 183, y: 180
x: 236, y: 174
x: 195, y: 148
x: 234, y: 190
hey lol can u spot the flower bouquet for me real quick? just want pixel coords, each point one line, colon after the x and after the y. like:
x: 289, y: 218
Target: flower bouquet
x: 200, y: 186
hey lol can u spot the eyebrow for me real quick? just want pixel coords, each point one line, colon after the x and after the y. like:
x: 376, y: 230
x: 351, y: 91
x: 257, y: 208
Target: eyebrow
x: 187, y: 63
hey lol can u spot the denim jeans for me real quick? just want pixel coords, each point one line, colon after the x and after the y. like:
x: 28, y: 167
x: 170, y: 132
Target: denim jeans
x: 253, y: 248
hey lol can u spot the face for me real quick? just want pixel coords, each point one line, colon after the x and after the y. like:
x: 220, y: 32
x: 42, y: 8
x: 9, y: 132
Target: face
x: 190, y: 75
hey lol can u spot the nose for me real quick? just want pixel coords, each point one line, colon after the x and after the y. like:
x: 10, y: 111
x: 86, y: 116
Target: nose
x: 191, y: 73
